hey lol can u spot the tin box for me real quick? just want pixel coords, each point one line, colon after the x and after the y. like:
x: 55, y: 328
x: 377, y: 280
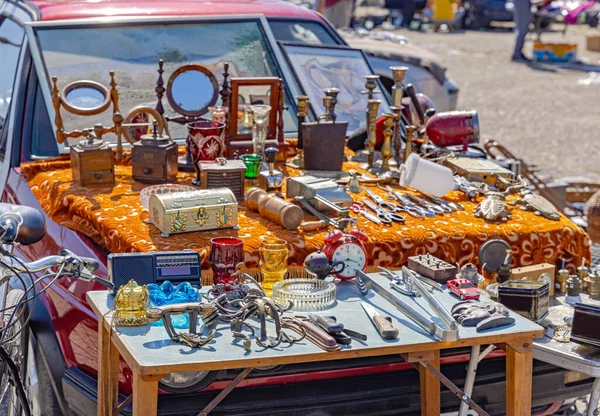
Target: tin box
x: 528, y: 299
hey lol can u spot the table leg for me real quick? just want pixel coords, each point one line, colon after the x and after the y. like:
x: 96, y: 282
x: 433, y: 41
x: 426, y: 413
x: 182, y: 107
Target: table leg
x: 430, y: 388
x: 108, y: 371
x: 594, y: 397
x: 145, y: 395
x: 519, y: 369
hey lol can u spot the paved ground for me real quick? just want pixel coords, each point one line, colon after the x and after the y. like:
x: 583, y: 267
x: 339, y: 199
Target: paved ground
x: 546, y: 113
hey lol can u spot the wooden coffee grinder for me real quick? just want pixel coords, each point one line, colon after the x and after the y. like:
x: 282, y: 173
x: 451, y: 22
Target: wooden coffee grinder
x: 154, y: 158
x: 92, y: 161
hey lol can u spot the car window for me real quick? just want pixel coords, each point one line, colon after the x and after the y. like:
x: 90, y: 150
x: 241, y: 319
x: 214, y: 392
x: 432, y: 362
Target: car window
x: 466, y: 286
x: 133, y: 52
x: 43, y: 142
x: 304, y: 32
x: 11, y: 39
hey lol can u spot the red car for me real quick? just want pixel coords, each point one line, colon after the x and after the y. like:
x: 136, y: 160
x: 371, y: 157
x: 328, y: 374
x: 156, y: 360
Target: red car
x: 59, y: 353
x: 463, y: 289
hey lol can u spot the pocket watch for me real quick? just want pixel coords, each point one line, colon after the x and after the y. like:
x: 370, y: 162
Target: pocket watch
x: 349, y: 249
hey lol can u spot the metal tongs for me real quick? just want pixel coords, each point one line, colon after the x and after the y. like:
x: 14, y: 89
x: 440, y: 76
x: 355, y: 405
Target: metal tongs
x: 447, y: 332
x: 399, y: 282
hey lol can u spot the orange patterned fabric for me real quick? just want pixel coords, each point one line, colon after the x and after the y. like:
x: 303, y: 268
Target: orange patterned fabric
x: 113, y: 217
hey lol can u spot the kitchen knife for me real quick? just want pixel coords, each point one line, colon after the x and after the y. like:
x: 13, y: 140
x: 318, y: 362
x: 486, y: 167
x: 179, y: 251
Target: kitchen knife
x: 382, y: 323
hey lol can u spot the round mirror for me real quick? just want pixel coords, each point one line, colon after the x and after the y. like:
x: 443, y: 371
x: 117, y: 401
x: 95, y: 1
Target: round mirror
x: 85, y: 98
x: 191, y: 90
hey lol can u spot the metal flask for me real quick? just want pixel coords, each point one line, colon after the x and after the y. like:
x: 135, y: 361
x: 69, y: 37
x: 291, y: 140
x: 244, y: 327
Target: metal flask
x: 324, y: 145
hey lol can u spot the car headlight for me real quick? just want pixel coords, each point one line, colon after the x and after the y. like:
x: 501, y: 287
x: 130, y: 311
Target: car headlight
x: 176, y: 382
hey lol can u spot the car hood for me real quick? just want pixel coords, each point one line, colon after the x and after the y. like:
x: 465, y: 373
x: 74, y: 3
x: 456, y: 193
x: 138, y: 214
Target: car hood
x: 397, y: 51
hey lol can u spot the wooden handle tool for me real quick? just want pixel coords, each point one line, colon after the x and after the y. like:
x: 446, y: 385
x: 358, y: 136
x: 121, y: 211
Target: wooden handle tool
x: 384, y: 327
x: 313, y: 225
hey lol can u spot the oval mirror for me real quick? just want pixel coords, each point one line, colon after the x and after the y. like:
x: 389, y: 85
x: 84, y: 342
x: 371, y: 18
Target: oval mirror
x: 85, y: 98
x: 191, y: 90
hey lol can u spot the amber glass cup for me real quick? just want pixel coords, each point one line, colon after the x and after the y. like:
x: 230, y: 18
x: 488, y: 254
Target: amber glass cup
x: 273, y: 263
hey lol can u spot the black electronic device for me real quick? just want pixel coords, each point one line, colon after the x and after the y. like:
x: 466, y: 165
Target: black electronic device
x: 586, y: 320
x: 156, y: 267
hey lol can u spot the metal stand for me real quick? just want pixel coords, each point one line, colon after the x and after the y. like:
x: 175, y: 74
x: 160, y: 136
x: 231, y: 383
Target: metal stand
x: 476, y: 356
x: 594, y: 397
x: 225, y: 392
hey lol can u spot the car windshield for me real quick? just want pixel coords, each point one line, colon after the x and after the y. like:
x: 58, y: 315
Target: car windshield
x: 89, y: 53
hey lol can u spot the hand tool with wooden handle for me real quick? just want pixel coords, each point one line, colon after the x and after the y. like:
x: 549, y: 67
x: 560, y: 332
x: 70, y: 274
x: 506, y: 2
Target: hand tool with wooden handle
x: 382, y: 323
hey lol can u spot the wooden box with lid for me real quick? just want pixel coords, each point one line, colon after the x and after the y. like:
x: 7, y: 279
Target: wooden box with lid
x: 223, y: 173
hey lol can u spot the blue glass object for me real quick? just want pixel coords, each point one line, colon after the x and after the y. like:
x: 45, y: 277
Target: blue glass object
x: 167, y: 294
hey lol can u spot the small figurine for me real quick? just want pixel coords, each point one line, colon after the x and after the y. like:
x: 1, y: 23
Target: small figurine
x: 534, y: 202
x: 481, y: 315
x: 463, y: 289
x: 492, y: 208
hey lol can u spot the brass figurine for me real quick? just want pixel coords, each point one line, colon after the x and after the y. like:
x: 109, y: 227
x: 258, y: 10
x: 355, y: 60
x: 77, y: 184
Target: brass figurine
x: 492, y: 208
x: 131, y: 302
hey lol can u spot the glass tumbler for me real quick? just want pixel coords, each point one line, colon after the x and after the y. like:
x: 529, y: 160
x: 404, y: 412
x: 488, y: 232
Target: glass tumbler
x: 205, y: 142
x: 226, y: 259
x: 260, y: 114
x: 219, y: 113
x: 252, y: 163
x: 273, y: 263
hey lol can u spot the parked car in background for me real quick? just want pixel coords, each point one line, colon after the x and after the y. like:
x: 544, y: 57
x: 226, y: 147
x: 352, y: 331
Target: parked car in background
x: 481, y: 13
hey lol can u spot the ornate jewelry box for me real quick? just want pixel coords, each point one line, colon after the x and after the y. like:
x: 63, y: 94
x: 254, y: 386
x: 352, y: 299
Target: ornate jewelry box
x: 200, y: 210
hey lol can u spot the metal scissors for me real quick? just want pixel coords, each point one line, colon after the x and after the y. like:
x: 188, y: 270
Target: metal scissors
x: 358, y: 207
x: 384, y: 216
x: 384, y: 205
x: 406, y: 205
x: 425, y: 204
x: 454, y: 206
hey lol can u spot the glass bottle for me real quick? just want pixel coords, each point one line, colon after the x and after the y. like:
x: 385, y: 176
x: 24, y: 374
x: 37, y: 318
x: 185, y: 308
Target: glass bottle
x: 260, y: 114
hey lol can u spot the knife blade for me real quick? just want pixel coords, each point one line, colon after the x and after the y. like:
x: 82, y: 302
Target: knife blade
x: 382, y: 323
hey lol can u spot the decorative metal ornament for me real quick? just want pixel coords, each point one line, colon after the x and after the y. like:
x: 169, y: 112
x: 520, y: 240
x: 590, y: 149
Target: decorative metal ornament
x: 492, y: 207
x: 536, y: 203
x: 225, y: 216
x: 200, y: 217
x: 131, y: 302
x: 178, y: 224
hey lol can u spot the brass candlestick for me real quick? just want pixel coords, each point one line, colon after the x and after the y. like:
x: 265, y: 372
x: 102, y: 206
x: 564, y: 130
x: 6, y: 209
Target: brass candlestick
x: 386, y: 148
x: 397, y: 137
x: 410, y: 130
x: 371, y: 85
x: 303, y: 101
x: 328, y: 115
x: 332, y: 93
x: 372, y: 130
x: 398, y: 74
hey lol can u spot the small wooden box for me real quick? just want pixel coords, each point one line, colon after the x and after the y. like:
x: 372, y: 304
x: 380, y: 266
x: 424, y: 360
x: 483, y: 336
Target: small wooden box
x: 154, y: 163
x: 184, y: 212
x: 223, y: 173
x: 92, y: 166
x: 534, y: 272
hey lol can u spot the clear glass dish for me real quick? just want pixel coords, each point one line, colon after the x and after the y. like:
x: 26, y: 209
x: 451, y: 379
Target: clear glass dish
x: 167, y: 188
x: 307, y: 295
